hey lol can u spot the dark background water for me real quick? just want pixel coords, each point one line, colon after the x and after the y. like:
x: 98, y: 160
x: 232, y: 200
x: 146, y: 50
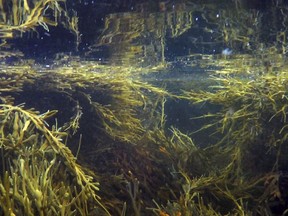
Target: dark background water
x: 92, y: 15
x: 188, y: 36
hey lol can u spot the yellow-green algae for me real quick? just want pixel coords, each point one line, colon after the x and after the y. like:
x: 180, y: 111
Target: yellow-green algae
x: 19, y: 16
x: 110, y: 151
x: 175, y: 176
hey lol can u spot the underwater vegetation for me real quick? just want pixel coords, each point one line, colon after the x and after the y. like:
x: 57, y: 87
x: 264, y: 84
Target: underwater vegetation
x: 111, y: 102
x: 39, y: 173
x: 19, y: 16
x: 85, y: 156
x: 82, y: 138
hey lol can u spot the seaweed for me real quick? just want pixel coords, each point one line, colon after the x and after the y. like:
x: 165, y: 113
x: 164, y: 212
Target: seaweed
x: 102, y: 145
x: 40, y: 175
x: 20, y: 16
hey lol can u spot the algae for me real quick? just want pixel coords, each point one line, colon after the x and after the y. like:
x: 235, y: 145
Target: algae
x: 96, y: 141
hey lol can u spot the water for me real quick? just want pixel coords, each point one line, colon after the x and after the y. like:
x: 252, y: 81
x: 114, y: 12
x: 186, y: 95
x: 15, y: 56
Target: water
x: 174, y: 107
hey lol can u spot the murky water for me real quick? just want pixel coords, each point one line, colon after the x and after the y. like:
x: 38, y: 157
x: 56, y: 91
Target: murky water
x: 174, y: 107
